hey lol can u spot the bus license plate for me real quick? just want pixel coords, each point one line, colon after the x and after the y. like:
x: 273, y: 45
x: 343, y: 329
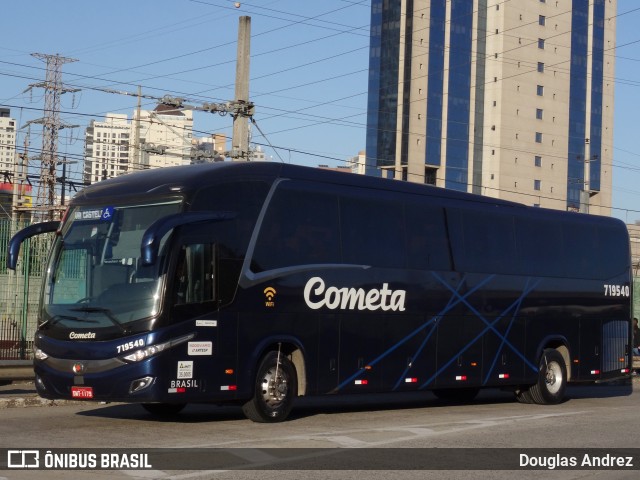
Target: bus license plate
x: 82, y: 392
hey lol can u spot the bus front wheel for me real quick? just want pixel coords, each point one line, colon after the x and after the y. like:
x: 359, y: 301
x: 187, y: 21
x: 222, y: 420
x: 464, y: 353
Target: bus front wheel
x: 274, y: 390
x: 552, y: 381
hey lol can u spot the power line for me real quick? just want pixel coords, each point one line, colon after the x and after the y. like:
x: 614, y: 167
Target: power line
x: 329, y: 121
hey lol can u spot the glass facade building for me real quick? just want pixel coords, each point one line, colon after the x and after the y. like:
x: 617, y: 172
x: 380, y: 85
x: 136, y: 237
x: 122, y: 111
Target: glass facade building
x: 507, y: 99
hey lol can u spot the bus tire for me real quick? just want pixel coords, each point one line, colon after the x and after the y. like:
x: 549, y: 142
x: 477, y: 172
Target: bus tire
x: 523, y: 395
x: 274, y: 390
x: 552, y: 379
x: 163, y: 410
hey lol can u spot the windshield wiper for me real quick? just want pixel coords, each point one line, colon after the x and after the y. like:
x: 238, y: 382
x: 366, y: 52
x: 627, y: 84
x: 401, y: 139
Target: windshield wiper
x: 56, y: 318
x: 107, y: 313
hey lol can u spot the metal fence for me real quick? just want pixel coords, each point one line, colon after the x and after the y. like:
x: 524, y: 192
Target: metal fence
x: 19, y: 291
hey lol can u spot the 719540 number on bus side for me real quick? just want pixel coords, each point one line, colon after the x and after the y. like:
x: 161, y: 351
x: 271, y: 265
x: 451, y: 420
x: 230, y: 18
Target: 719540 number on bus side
x: 616, y: 290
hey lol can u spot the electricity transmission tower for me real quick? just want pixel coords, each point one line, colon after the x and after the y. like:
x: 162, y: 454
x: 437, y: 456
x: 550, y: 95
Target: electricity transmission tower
x: 46, y: 203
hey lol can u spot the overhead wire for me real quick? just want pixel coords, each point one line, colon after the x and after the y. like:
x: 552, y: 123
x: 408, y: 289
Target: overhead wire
x: 285, y: 130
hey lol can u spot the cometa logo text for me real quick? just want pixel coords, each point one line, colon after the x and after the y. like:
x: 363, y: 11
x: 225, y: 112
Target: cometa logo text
x: 82, y: 336
x: 317, y: 295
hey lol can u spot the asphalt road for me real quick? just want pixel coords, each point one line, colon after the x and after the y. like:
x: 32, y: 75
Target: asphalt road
x: 383, y: 428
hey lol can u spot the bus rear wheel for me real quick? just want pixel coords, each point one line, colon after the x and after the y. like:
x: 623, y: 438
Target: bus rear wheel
x: 274, y: 390
x: 552, y: 381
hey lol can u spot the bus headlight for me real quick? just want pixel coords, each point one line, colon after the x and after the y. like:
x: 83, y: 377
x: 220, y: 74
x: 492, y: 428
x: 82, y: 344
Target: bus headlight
x: 39, y: 354
x: 152, y: 350
x: 140, y: 384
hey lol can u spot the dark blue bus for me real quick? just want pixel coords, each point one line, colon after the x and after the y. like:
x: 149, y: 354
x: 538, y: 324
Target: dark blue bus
x: 254, y: 283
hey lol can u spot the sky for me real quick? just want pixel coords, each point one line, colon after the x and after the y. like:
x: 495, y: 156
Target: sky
x: 308, y: 73
x: 626, y: 127
x: 308, y: 67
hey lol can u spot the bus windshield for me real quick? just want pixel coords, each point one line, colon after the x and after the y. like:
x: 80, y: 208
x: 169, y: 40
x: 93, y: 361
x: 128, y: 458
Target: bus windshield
x: 96, y: 278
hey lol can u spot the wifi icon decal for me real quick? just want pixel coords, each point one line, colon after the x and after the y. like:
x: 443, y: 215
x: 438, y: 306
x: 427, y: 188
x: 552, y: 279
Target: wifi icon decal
x: 269, y: 294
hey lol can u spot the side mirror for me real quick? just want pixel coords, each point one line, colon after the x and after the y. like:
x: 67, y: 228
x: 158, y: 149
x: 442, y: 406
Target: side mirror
x: 22, y: 235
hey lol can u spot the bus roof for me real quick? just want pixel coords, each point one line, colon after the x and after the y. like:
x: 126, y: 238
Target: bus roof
x: 187, y: 180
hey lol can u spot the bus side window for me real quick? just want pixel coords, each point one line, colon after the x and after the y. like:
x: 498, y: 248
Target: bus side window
x: 195, y: 274
x: 541, y: 248
x: 427, y: 239
x: 300, y: 228
x: 580, y: 241
x: 372, y: 231
x: 482, y: 241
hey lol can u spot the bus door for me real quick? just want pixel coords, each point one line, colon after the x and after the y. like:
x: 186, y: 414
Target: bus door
x: 194, y: 296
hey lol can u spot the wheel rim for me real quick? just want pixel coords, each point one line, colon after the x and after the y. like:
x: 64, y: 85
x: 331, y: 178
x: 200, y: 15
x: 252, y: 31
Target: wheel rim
x: 553, y: 377
x: 275, y: 387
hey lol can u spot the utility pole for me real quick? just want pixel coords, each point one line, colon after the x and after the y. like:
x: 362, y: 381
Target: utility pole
x: 51, y: 124
x: 240, y: 109
x: 240, y: 139
x: 21, y: 181
x: 587, y: 192
x: 137, y: 157
x: 63, y: 180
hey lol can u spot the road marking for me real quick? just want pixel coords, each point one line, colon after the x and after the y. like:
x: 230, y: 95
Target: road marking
x: 353, y: 438
x: 345, y: 441
x: 155, y: 474
x: 349, y: 438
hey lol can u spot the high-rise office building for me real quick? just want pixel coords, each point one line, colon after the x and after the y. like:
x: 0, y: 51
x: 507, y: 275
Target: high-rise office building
x: 510, y: 99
